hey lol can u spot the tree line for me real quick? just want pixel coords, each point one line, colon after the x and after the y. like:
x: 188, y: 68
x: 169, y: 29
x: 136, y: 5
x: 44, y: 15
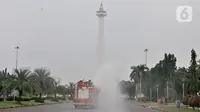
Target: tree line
x: 165, y: 79
x: 38, y: 82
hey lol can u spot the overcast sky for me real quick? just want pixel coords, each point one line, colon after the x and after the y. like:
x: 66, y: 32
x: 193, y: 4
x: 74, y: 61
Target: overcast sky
x: 62, y: 34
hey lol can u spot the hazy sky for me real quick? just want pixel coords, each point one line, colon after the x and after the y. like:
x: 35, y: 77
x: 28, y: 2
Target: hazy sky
x: 62, y: 34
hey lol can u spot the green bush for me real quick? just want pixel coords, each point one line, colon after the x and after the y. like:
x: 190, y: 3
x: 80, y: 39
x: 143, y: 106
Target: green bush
x: 1, y: 99
x: 10, y: 98
x: 26, y: 99
x: 60, y: 98
x: 55, y: 99
x: 143, y: 99
x: 48, y: 97
x: 39, y: 100
x: 35, y: 98
x: 70, y: 98
x: 154, y: 99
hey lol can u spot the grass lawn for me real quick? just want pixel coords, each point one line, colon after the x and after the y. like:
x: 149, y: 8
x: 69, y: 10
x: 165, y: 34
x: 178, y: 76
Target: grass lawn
x: 170, y: 107
x: 149, y: 104
x: 175, y: 109
x: 30, y: 103
x: 7, y: 104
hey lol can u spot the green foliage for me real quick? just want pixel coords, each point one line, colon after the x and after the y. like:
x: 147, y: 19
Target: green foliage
x: 70, y: 90
x: 36, y: 82
x: 193, y: 76
x: 46, y: 82
x: 166, y: 71
x: 127, y: 88
x: 40, y: 82
x: 61, y: 89
x: 55, y: 99
x: 40, y: 100
x: 143, y: 99
x: 23, y: 80
x: 138, y: 72
x: 1, y: 99
x: 18, y: 99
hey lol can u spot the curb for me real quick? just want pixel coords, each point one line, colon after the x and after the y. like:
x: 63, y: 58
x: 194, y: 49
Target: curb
x: 53, y: 103
x: 33, y: 105
x: 161, y: 110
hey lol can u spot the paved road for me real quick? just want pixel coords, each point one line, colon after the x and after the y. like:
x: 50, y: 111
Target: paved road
x: 68, y: 107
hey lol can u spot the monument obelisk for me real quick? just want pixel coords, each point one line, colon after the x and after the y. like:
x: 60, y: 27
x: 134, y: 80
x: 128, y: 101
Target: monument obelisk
x: 101, y: 13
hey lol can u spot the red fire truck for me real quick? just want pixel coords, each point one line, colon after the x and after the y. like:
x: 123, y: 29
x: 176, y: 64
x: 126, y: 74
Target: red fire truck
x: 86, y: 95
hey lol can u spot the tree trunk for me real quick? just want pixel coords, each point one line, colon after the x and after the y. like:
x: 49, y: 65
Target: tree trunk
x: 64, y: 96
x: 146, y: 91
x: 136, y: 90
x: 40, y: 95
x: 4, y: 95
x: 175, y: 90
x: 55, y: 95
x: 140, y: 85
x: 72, y: 96
x: 42, y: 87
x: 14, y: 98
x: 150, y: 96
x: 20, y: 95
x: 167, y: 89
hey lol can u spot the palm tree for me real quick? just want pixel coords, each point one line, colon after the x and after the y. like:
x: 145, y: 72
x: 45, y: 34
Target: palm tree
x: 149, y: 83
x: 61, y: 89
x: 71, y: 89
x: 3, y: 76
x: 138, y: 75
x: 127, y: 88
x: 45, y: 80
x: 135, y: 76
x: 56, y: 85
x: 23, y: 80
x: 179, y: 77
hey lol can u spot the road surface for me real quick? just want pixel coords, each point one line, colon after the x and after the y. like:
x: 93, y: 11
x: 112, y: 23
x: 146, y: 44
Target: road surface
x: 68, y: 107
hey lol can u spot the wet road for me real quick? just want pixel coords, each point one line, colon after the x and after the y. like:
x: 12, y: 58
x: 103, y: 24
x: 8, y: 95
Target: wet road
x: 68, y: 107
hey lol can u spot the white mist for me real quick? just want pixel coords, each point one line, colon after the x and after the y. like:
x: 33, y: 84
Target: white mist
x: 107, y: 79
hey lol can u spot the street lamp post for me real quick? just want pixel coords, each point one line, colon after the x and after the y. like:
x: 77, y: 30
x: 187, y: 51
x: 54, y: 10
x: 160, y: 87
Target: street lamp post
x: 17, y: 48
x: 150, y: 91
x: 183, y: 86
x: 140, y: 84
x: 136, y: 90
x: 146, y: 50
x: 167, y: 90
x: 157, y: 86
x: 132, y: 89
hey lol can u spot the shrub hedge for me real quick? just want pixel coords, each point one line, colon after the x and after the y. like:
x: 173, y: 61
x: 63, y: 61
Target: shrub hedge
x: 143, y: 99
x: 37, y: 99
x: 10, y: 98
x: 1, y: 99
